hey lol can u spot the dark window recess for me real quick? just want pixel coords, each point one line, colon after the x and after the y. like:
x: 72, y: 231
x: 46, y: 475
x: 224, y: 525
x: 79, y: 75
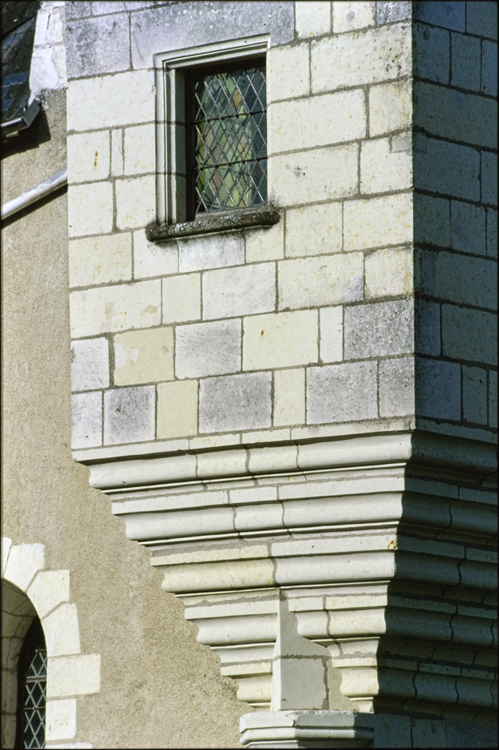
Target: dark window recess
x: 32, y: 691
x: 229, y: 137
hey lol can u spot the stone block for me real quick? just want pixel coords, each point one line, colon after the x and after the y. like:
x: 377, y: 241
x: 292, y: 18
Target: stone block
x: 475, y: 395
x: 379, y: 329
x: 111, y: 101
x: 492, y: 398
x: 489, y: 68
x: 288, y: 72
x: 321, y: 281
x: 98, y: 46
x: 331, y: 334
x: 427, y: 338
x: 135, y: 201
x: 140, y: 149
x: 90, y: 209
x: 390, y: 107
x: 428, y: 732
x: 103, y: 8
x: 265, y: 244
x: 203, y: 349
x: 318, y: 121
x: 289, y: 397
x: 431, y: 53
x: 375, y: 55
x: 341, y: 393
x: 314, y: 230
x: 89, y: 364
x: 448, y: 168
x: 466, y: 60
x: 100, y: 260
x: 389, y: 272
x: 115, y: 308
x: 491, y: 233
x: 392, y: 731
x: 73, y: 675
x: 222, y: 464
x: 438, y: 389
x: 153, y: 258
x: 62, y: 634
x: 23, y: 563
x: 465, y: 734
x: 177, y: 409
x: 143, y: 356
x: 78, y: 9
x: 182, y: 298
x: 312, y: 19
x: 469, y: 335
x: 378, y: 222
x: 468, y: 228
x: 448, y: 15
x: 489, y: 178
x: 391, y: 12
x: 236, y: 402
x: 482, y: 19
x: 350, y: 16
x: 117, y: 157
x: 454, y: 115
x: 49, y: 589
x: 86, y: 420
x: 60, y: 720
x: 396, y: 387
x: 211, y: 251
x: 241, y: 290
x: 312, y: 176
x: 88, y: 156
x: 447, y: 276
x: 396, y: 161
x: 280, y: 340
x: 129, y: 415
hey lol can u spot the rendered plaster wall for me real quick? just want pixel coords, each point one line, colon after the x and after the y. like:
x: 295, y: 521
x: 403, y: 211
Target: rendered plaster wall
x: 157, y: 686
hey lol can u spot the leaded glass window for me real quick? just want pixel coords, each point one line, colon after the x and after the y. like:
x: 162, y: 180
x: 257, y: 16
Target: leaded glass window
x: 230, y: 138
x: 32, y: 689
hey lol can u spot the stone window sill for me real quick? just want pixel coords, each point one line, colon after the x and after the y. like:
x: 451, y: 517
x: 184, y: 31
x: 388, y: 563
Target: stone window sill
x: 217, y: 222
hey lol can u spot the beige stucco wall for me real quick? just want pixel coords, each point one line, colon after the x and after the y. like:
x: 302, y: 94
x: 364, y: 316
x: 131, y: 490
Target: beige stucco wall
x: 159, y: 688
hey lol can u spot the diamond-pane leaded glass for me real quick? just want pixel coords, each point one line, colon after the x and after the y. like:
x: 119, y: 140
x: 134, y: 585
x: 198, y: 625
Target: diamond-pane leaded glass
x: 230, y: 131
x: 35, y: 689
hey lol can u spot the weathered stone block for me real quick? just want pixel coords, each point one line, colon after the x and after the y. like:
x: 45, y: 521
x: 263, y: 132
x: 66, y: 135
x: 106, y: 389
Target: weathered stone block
x: 482, y: 19
x: 491, y: 233
x: 242, y: 290
x: 314, y: 230
x: 341, y: 393
x: 100, y: 260
x: 73, y: 675
x: 48, y: 590
x: 449, y: 15
x: 115, y: 308
x: 378, y: 222
x: 100, y: 36
x: 61, y: 630
x: 427, y: 339
x: 140, y: 149
x: 129, y: 415
x: 389, y: 272
x: 350, y: 16
x: 432, y: 220
x: 489, y: 178
x: 288, y: 72
x: 379, y: 329
x: 153, y: 258
x: 289, y: 397
x: 395, y: 154
x: 88, y: 157
x: 438, y: 389
x: 237, y: 402
x: 117, y: 157
x: 280, y: 340
x: 318, y: 121
x: 431, y: 58
x: 177, y: 409
x: 182, y: 298
x: 470, y: 335
x: 466, y: 58
x: 207, y: 349
x: 143, y: 356
x: 265, y: 244
x: 82, y: 220
x: 320, y: 281
x: 331, y: 334
x: 89, y: 364
x: 210, y: 251
x: 468, y: 228
x: 390, y: 107
x: 396, y: 387
x: 391, y: 12
x: 135, y: 201
x: 61, y: 720
x: 443, y: 167
x: 86, y: 420
x: 475, y: 395
x: 447, y: 276
x: 372, y: 56
x: 313, y: 176
x: 489, y: 68
x: 312, y: 19
x: 103, y: 8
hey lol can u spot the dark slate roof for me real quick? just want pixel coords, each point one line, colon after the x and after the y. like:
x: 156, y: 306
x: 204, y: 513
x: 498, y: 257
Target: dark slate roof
x: 18, y: 34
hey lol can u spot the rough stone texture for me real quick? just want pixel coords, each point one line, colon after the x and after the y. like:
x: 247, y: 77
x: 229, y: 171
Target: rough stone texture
x: 390, y: 107
x: 482, y: 19
x: 489, y: 178
x: 449, y: 168
x: 432, y: 220
x: 468, y: 228
x: 143, y: 356
x: 100, y: 260
x: 350, y: 16
x: 431, y: 53
x: 89, y: 364
x: 489, y: 68
x: 86, y: 420
x: 427, y: 339
x: 396, y: 156
x: 378, y: 222
x: 391, y: 12
x: 311, y: 282
x: 396, y: 387
x: 475, y: 395
x: 129, y: 415
x: 314, y: 230
x: 449, y: 15
x: 237, y: 402
x: 389, y: 272
x: 92, y: 49
x: 177, y: 409
x: 466, y: 62
x: 447, y: 275
x: 379, y: 329
x: 467, y: 334
x: 341, y: 393
x: 242, y: 290
x: 207, y: 349
x: 281, y: 340
x: 331, y: 334
x: 438, y: 389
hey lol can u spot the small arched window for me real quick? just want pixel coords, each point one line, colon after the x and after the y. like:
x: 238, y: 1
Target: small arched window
x: 32, y: 689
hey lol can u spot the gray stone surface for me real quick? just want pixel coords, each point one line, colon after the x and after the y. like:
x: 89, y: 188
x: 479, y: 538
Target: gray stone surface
x: 492, y: 398
x: 389, y: 12
x: 86, y: 420
x: 489, y: 68
x: 89, y: 364
x: 129, y: 415
x: 431, y: 220
x: 427, y: 338
x: 448, y: 168
x: 466, y: 734
x: 112, y: 6
x: 447, y: 276
x: 210, y: 251
x: 77, y: 9
x: 466, y: 61
x: 396, y: 387
x: 208, y: 349
x: 431, y: 49
x: 242, y: 290
x: 449, y: 14
x: 492, y: 233
x: 236, y: 402
x: 100, y: 45
x: 489, y: 178
x: 468, y: 228
x: 470, y: 335
x: 438, y: 389
x: 340, y: 393
x: 162, y: 29
x: 481, y: 19
x: 475, y: 395
x: 380, y: 329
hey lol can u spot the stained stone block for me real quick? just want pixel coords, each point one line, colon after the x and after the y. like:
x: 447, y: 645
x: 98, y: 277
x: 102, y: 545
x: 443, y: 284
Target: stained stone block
x: 341, y: 393
x: 396, y: 387
x: 390, y: 12
x: 379, y: 329
x: 89, y: 364
x: 236, y: 402
x: 203, y: 349
x: 129, y: 415
x: 86, y: 420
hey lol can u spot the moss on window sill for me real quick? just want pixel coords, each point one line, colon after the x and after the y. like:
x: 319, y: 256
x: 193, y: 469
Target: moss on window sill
x: 216, y: 222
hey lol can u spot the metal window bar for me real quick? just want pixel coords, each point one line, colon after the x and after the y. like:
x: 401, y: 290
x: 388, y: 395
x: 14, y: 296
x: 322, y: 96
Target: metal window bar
x: 230, y: 139
x: 35, y: 692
